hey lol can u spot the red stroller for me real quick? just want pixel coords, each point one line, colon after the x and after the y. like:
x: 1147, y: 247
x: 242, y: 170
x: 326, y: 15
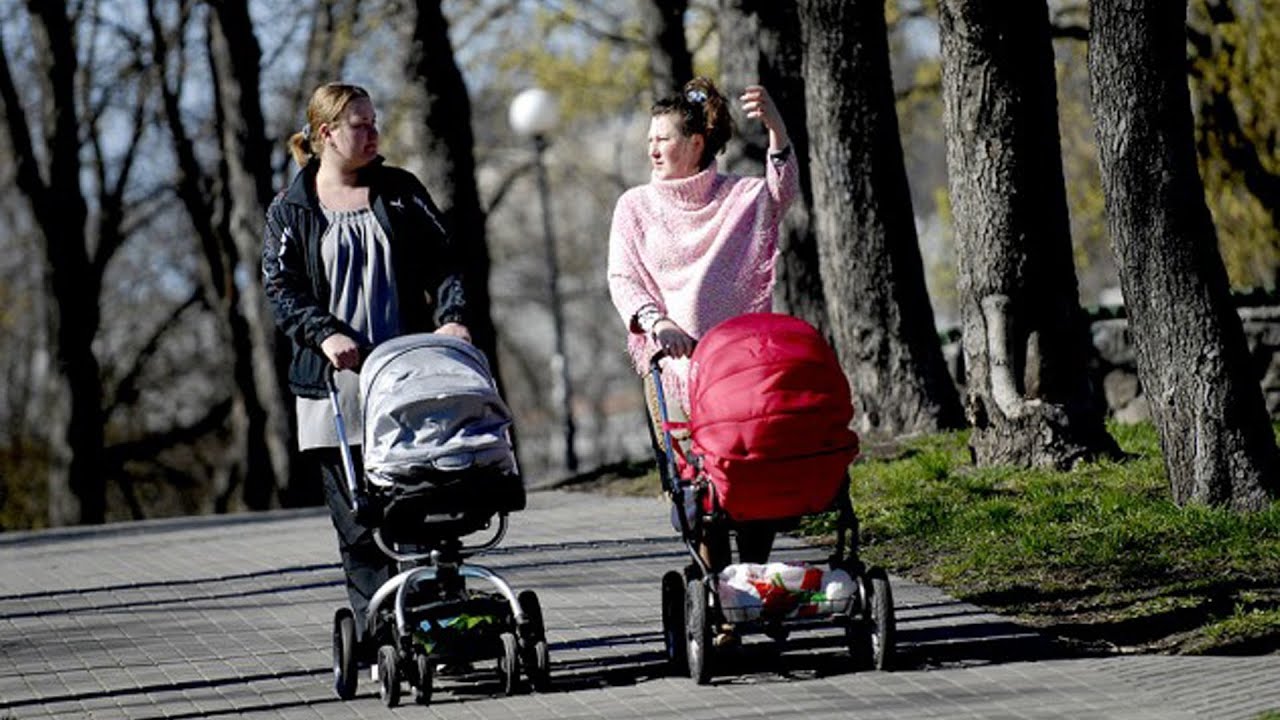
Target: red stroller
x: 769, y: 412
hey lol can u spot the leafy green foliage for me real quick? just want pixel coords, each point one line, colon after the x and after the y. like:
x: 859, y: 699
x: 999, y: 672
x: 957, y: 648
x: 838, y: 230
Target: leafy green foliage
x: 596, y: 64
x: 1235, y: 72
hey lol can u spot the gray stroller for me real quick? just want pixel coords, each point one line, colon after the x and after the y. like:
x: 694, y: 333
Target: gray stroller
x: 438, y: 467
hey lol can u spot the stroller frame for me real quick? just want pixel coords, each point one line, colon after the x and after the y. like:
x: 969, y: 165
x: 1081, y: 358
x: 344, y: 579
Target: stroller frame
x: 440, y: 565
x: 691, y: 600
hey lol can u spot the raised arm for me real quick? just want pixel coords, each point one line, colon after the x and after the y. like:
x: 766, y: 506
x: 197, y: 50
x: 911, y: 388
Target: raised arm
x: 781, y: 171
x: 757, y: 104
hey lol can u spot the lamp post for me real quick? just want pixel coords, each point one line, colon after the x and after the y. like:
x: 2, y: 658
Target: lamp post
x: 533, y: 113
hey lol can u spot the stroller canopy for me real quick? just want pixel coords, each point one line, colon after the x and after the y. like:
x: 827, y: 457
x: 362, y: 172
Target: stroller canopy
x: 431, y: 405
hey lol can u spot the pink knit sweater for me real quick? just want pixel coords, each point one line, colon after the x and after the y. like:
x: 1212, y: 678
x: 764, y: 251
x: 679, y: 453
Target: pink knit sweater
x: 701, y: 248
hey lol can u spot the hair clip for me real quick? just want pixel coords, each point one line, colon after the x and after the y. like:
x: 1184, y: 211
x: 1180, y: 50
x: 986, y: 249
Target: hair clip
x: 306, y: 131
x: 696, y: 95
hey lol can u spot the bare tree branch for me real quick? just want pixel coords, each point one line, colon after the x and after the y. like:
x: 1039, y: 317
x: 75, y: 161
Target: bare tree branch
x: 27, y: 170
x: 505, y: 183
x: 148, y: 447
x: 476, y: 28
x: 126, y: 391
x: 594, y: 30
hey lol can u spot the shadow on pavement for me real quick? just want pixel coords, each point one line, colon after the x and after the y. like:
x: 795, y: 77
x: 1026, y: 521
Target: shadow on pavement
x: 158, y: 688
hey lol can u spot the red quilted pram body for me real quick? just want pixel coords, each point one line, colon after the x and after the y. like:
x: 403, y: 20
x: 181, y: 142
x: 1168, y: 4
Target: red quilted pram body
x: 768, y: 439
x: 769, y: 414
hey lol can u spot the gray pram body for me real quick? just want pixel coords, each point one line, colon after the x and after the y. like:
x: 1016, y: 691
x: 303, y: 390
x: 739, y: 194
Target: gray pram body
x: 437, y: 438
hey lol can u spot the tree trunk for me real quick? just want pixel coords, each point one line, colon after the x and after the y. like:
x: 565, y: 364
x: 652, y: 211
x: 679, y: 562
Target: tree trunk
x: 448, y: 161
x: 1192, y: 358
x: 249, y: 450
x: 1029, y: 397
x: 235, y: 55
x: 670, y: 63
x: 760, y: 44
x: 872, y: 274
x: 71, y: 278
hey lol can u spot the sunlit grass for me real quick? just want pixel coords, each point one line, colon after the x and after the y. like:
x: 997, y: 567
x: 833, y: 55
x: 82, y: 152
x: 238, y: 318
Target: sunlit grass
x: 1017, y: 536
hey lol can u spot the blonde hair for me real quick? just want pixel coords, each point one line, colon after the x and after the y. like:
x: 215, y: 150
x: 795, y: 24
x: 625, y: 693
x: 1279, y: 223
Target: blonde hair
x: 327, y: 104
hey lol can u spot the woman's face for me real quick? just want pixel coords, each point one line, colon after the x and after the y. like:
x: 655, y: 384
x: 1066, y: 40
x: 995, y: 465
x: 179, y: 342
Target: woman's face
x: 352, y: 139
x: 672, y: 154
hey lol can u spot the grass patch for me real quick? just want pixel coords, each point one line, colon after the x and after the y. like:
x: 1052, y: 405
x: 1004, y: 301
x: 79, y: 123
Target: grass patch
x: 1099, y: 552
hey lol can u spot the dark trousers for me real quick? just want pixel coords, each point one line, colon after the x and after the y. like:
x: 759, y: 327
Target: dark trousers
x: 365, y: 565
x: 755, y: 541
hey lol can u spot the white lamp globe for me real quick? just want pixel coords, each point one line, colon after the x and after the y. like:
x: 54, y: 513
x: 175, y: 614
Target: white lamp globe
x: 533, y: 112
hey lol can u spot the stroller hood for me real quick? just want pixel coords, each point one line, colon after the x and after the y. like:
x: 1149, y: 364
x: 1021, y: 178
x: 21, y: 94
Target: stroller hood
x: 431, y: 405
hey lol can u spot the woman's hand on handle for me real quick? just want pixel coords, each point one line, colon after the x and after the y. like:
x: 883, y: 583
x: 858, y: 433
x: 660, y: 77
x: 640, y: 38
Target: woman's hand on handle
x: 675, y: 341
x: 342, y: 351
x: 453, y: 329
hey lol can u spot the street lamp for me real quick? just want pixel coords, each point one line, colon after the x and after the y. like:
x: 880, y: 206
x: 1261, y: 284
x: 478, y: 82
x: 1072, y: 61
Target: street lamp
x: 533, y: 113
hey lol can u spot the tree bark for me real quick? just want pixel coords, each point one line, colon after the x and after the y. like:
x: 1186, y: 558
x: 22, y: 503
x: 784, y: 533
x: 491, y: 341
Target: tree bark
x: 760, y: 44
x: 70, y: 274
x: 872, y: 273
x: 1029, y: 397
x: 448, y: 161
x: 235, y: 55
x: 1191, y: 353
x: 670, y: 63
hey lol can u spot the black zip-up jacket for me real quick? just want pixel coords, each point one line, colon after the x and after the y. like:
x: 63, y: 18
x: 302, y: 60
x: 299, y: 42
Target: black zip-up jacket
x: 424, y: 259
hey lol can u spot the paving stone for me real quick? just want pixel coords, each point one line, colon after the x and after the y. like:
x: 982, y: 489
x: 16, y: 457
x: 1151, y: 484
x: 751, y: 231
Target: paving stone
x: 231, y: 616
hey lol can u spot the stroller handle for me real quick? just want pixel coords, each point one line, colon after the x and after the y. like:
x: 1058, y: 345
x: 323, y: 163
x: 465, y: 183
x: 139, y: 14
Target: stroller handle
x: 655, y: 362
x: 359, y: 503
x: 655, y: 372
x: 667, y: 469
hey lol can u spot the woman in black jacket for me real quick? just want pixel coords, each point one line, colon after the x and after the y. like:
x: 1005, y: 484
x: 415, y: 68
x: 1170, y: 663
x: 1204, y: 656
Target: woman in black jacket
x: 355, y: 254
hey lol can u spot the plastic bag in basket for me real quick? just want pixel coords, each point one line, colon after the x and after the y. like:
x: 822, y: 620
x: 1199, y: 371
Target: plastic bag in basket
x: 783, y: 590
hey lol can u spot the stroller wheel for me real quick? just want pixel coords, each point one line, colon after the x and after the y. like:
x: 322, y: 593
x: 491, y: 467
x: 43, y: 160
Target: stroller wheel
x: 509, y: 664
x: 537, y: 663
x: 697, y: 632
x: 857, y: 636
x: 345, y: 674
x: 880, y: 618
x: 673, y: 627
x: 389, y: 676
x: 538, y: 667
x: 424, y: 680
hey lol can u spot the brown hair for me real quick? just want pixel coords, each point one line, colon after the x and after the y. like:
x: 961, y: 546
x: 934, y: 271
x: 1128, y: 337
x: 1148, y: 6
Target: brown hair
x: 702, y: 111
x: 326, y: 105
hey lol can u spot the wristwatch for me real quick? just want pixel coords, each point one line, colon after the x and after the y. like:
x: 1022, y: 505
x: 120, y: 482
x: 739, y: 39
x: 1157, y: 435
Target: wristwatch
x: 647, y: 317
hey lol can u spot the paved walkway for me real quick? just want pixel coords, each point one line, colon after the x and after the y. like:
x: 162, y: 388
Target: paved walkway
x: 231, y: 616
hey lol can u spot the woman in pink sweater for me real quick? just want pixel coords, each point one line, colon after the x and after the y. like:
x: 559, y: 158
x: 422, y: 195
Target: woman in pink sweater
x: 694, y: 247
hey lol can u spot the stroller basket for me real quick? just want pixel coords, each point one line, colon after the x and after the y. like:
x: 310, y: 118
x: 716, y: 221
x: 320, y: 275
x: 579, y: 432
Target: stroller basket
x: 783, y: 591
